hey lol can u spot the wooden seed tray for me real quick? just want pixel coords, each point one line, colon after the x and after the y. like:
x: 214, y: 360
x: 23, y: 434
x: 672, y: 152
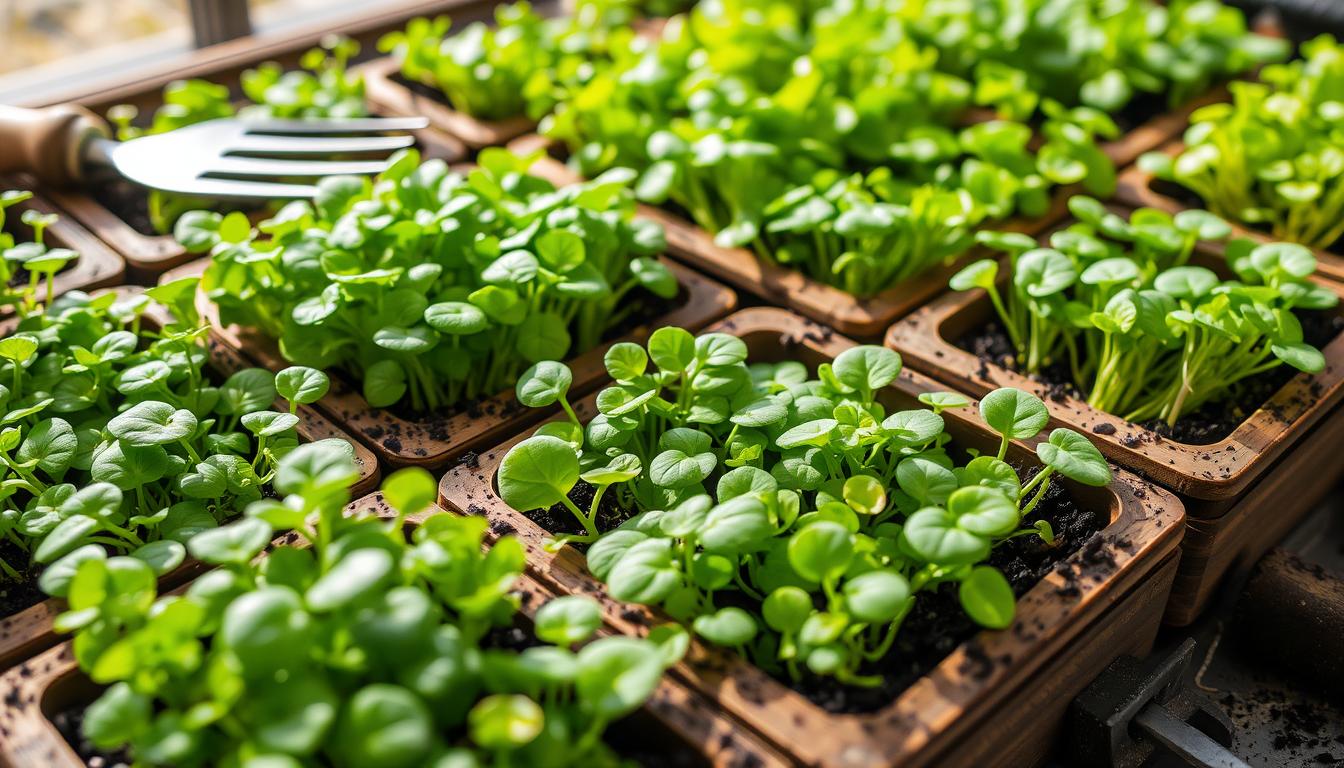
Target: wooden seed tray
x: 1139, y: 188
x: 433, y: 443
x: 1068, y: 627
x: 675, y: 717
x: 29, y: 631
x: 97, y: 266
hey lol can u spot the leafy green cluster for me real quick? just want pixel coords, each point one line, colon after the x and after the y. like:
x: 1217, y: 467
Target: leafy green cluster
x: 435, y: 286
x: 815, y: 514
x: 518, y: 65
x: 1103, y: 55
x: 28, y: 269
x: 114, y: 437
x: 323, y: 88
x: 827, y: 140
x: 1273, y: 157
x: 362, y: 648
x: 1145, y: 334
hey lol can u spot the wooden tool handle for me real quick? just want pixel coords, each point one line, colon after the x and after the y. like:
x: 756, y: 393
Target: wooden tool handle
x: 47, y: 143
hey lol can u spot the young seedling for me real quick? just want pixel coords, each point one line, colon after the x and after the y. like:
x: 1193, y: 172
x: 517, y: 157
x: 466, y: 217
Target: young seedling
x: 1270, y: 157
x: 432, y: 287
x: 33, y: 257
x: 383, y: 636
x: 816, y: 514
x: 117, y: 441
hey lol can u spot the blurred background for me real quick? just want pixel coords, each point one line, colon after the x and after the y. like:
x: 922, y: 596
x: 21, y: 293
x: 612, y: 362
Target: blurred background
x: 46, y: 43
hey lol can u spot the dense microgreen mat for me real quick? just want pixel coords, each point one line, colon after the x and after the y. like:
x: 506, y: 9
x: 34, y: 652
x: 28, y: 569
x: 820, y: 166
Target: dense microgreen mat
x: 788, y: 515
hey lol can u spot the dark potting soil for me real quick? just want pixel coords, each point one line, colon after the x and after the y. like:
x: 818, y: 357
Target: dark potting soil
x: 1212, y: 422
x: 1144, y: 106
x: 937, y: 624
x: 1189, y: 199
x: 129, y: 202
x: 69, y: 723
x: 558, y: 518
x: 15, y: 596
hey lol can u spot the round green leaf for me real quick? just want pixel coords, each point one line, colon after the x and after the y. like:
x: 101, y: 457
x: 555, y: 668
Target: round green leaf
x: 821, y: 552
x: 876, y: 597
x: 1074, y: 457
x: 867, y: 368
x: 987, y: 598
x: 152, y: 423
x: 729, y: 626
x: 544, y: 383
x: 505, y: 722
x: 1012, y: 412
x: 566, y: 621
x: 537, y: 473
x: 302, y: 385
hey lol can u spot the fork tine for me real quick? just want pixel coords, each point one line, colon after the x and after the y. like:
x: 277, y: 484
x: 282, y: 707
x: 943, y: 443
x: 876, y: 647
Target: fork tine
x: 254, y: 166
x: 234, y: 188
x: 352, y: 125
x: 263, y: 145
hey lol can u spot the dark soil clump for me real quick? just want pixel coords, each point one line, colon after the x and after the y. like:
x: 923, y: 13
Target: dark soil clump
x: 559, y: 519
x: 15, y: 596
x: 70, y: 724
x: 129, y: 202
x: 1209, y: 424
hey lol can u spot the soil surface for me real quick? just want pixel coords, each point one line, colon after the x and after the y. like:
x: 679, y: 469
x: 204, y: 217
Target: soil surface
x: 1209, y: 424
x: 559, y: 519
x: 15, y: 596
x: 1141, y: 108
x: 937, y: 624
x: 70, y: 724
x: 129, y: 202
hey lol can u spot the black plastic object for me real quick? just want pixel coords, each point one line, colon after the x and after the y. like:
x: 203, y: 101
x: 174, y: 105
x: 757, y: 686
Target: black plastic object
x: 1302, y: 19
x: 1136, y: 708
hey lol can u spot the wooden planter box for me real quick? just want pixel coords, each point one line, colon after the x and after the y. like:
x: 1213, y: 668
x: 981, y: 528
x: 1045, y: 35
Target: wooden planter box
x: 999, y: 698
x: 675, y: 717
x: 1227, y: 487
x: 434, y: 442
x: 148, y: 255
x: 864, y: 319
x: 390, y: 94
x: 97, y: 266
x: 29, y: 631
x: 1140, y: 188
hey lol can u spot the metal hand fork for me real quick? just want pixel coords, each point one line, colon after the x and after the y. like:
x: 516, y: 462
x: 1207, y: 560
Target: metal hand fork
x: 227, y: 158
